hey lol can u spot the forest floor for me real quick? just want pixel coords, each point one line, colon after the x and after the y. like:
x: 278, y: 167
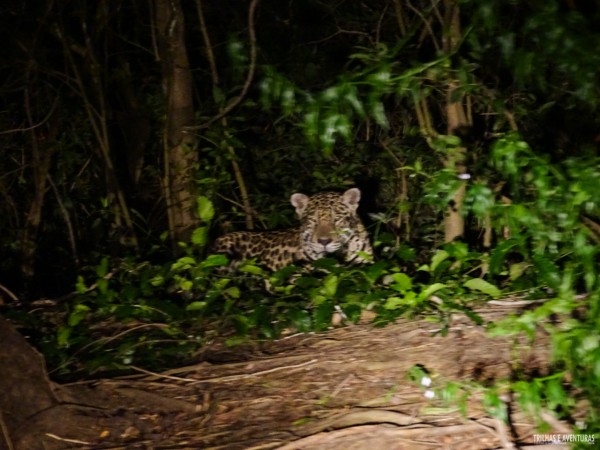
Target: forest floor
x: 346, y: 388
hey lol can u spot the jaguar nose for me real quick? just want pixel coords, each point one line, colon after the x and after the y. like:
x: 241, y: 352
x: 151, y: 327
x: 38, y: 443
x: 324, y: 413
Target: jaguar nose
x: 324, y: 241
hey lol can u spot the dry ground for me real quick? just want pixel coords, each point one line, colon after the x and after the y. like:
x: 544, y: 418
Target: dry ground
x: 342, y: 389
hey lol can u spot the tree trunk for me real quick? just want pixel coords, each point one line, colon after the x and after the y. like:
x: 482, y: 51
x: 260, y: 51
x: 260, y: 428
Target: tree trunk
x: 180, y: 153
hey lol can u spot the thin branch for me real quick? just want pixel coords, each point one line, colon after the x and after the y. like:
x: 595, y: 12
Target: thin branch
x: 339, y: 31
x: 249, y: 77
x: 209, y: 50
x: 400, y: 17
x: 9, y: 293
x: 427, y: 25
x: 215, y: 80
x: 66, y: 218
x: 37, y: 125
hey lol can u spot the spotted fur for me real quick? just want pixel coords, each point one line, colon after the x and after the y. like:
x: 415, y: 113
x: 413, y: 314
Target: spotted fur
x: 329, y: 224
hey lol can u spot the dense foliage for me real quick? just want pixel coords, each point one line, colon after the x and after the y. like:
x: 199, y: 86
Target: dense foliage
x: 485, y: 105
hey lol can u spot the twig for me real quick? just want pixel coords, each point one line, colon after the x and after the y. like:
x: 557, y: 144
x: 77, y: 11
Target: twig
x: 380, y: 430
x: 215, y: 81
x: 341, y: 386
x: 72, y: 441
x: 502, y: 434
x: 66, y: 218
x: 9, y: 293
x: 255, y: 374
x: 555, y: 423
x: 527, y: 302
x: 364, y: 416
x: 249, y: 77
x: 160, y: 375
x: 5, y: 433
x: 34, y: 126
x: 427, y: 25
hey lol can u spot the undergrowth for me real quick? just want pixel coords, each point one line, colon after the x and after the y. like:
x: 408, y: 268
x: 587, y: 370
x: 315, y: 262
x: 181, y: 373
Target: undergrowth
x: 127, y: 312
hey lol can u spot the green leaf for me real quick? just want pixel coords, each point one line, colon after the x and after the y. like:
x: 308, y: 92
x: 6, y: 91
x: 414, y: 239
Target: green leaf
x: 374, y: 271
x: 200, y: 236
x: 301, y: 319
x: 439, y: 257
x: 548, y: 271
x: 232, y: 292
x: 515, y: 271
x: 494, y: 405
x: 80, y: 286
x: 206, y: 210
x: 322, y: 315
x: 102, y: 268
x: 184, y: 263
x: 62, y: 336
x: 555, y: 394
x: 378, y: 114
x: 499, y: 254
x: 185, y: 285
x: 479, y: 284
x: 251, y: 268
x: 402, y: 282
x: 78, y: 314
x: 393, y: 303
x: 196, y: 306
x: 330, y: 285
x: 157, y: 280
x: 215, y: 261
x: 430, y: 290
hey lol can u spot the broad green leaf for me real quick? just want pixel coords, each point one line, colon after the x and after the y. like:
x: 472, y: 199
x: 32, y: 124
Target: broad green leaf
x: 515, y: 271
x: 184, y: 263
x: 78, y: 314
x: 157, y: 280
x: 330, y: 285
x: 555, y: 393
x: 62, y: 336
x: 215, y: 261
x: 196, y: 306
x: 378, y: 114
x: 393, y: 303
x: 374, y: 271
x: 402, y: 282
x: 300, y: 319
x: 479, y: 284
x: 233, y: 292
x: 185, y: 285
x: 251, y: 268
x: 322, y: 315
x: 548, y: 271
x: 200, y: 236
x: 206, y: 210
x: 437, y: 259
x: 430, y: 290
x: 499, y: 254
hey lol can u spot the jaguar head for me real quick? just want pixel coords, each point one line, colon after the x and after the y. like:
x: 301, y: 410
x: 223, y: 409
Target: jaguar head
x: 328, y: 220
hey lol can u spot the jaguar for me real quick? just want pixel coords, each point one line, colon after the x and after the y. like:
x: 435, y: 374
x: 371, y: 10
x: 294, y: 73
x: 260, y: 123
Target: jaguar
x: 329, y: 224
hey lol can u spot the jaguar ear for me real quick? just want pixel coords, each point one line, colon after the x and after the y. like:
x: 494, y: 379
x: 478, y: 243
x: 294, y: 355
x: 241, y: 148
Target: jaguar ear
x: 351, y: 197
x: 300, y: 202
